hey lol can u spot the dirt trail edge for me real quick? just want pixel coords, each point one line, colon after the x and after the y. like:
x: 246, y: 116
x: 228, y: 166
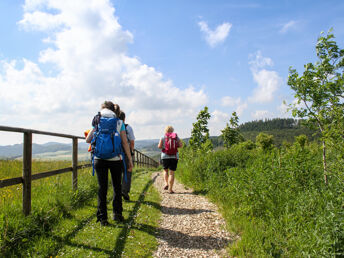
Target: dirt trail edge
x: 190, y: 225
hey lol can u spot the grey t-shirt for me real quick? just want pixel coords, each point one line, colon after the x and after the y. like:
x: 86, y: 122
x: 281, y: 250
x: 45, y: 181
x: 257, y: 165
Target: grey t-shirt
x: 164, y: 155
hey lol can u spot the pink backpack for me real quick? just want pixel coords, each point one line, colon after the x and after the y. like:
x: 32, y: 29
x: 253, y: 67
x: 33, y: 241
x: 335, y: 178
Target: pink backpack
x: 171, y: 144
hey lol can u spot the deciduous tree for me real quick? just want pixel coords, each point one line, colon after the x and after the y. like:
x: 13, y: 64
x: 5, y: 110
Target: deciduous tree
x: 319, y: 92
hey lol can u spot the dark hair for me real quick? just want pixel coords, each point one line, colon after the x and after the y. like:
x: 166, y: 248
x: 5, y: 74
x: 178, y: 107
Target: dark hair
x: 116, y: 110
x: 121, y: 115
x: 108, y: 105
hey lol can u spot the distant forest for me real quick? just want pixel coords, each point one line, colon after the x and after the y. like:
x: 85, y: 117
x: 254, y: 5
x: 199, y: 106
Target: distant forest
x: 283, y: 130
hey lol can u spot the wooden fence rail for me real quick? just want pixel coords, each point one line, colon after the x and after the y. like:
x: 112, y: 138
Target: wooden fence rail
x: 140, y: 159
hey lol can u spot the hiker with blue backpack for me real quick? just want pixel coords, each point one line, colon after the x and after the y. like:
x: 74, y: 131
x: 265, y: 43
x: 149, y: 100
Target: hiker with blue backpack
x: 109, y: 142
x: 169, y: 144
x: 126, y: 184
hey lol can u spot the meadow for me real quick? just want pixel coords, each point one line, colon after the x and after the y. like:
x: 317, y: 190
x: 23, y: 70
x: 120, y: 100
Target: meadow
x: 275, y: 199
x: 63, y: 221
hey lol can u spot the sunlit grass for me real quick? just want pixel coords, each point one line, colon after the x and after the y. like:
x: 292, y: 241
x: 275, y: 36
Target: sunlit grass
x: 63, y: 222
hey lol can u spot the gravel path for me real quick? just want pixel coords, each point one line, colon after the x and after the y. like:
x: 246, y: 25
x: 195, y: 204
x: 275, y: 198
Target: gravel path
x: 190, y: 225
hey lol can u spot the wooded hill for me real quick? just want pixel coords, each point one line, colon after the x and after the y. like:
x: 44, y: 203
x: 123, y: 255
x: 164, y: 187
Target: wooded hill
x: 283, y: 130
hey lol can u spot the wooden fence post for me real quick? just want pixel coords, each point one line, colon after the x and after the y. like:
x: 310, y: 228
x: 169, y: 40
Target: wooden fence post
x: 27, y: 167
x: 75, y: 163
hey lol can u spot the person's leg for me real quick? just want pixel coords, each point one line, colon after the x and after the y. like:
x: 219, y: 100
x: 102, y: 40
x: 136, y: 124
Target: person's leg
x: 166, y: 174
x: 102, y: 176
x: 116, y: 173
x: 173, y: 167
x: 171, y: 181
x: 165, y: 166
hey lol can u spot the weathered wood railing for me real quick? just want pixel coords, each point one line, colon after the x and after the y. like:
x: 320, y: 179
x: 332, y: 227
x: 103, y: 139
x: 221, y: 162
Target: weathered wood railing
x: 140, y: 159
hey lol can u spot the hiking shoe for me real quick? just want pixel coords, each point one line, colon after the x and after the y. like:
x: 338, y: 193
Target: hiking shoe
x: 166, y: 187
x: 126, y: 196
x: 104, y: 223
x: 118, y: 217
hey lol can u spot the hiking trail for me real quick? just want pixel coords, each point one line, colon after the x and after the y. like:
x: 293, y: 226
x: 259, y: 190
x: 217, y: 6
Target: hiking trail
x: 190, y: 225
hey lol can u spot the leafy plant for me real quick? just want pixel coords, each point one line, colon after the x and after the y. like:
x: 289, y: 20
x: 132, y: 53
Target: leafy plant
x: 200, y: 131
x: 231, y: 134
x: 319, y: 92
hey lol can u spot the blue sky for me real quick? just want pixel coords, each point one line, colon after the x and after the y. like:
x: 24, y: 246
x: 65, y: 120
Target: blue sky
x: 161, y: 61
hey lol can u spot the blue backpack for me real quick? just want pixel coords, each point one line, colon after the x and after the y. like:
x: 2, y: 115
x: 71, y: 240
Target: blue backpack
x: 106, y: 142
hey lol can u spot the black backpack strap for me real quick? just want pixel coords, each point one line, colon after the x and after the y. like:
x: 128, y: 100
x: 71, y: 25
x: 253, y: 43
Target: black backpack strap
x: 96, y: 121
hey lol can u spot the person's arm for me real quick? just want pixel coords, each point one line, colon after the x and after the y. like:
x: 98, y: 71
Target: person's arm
x: 160, y: 144
x: 90, y: 136
x: 126, y: 149
x: 132, y: 145
x: 180, y: 143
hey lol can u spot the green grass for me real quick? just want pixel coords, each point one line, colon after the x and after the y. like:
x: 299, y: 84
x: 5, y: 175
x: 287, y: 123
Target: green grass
x: 63, y: 222
x: 275, y: 200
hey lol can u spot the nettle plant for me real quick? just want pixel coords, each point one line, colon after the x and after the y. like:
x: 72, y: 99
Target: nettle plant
x: 319, y: 94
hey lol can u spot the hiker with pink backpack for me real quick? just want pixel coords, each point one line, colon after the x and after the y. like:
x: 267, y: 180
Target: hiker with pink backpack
x: 169, y: 144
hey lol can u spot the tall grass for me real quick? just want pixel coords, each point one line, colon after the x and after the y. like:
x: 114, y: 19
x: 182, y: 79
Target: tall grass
x: 52, y: 199
x: 276, y: 200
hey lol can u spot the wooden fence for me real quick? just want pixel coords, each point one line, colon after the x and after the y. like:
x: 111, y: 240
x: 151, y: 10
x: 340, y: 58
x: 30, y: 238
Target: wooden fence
x: 140, y: 160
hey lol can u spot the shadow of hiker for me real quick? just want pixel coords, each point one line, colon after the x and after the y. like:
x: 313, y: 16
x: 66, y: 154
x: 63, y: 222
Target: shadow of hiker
x: 182, y: 211
x: 185, y: 241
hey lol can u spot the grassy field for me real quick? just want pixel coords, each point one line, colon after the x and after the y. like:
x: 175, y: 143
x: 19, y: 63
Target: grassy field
x: 63, y: 222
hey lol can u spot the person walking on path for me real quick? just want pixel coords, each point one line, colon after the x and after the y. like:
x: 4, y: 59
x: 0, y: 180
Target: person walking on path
x: 126, y: 184
x: 169, y: 144
x: 107, y: 121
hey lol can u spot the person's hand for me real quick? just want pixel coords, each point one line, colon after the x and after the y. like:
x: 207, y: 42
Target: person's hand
x: 130, y: 168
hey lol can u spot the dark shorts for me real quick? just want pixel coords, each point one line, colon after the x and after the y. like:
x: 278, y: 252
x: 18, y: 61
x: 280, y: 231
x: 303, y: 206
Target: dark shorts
x: 170, y: 164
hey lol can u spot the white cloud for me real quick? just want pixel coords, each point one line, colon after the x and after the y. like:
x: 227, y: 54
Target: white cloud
x: 217, y: 122
x: 287, y: 26
x: 283, y: 109
x: 217, y: 36
x: 258, y: 61
x: 268, y: 81
x: 238, y: 105
x: 261, y: 114
x: 87, y: 48
x: 228, y: 101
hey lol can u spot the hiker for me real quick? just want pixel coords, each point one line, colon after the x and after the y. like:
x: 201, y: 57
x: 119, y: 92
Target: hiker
x: 169, y: 143
x: 126, y: 184
x: 116, y: 141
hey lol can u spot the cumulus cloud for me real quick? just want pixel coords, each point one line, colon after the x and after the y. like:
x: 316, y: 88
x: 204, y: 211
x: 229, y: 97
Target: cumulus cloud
x: 238, y: 105
x: 87, y: 63
x: 217, y: 122
x: 287, y: 26
x: 268, y: 81
x: 228, y: 101
x: 217, y: 36
x: 261, y: 114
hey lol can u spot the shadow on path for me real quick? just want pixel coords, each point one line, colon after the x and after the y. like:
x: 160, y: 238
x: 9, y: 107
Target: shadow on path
x: 185, y: 241
x: 182, y: 211
x: 122, y: 237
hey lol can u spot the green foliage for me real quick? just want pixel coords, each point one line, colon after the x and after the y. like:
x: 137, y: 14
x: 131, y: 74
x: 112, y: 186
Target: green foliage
x: 265, y: 141
x: 301, y: 140
x: 319, y: 92
x: 231, y: 134
x: 275, y: 200
x: 200, y: 131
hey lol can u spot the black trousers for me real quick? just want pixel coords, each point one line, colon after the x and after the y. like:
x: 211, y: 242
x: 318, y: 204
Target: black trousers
x: 102, y: 167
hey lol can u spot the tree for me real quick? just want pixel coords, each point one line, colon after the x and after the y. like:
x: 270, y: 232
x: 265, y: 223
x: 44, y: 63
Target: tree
x: 200, y: 131
x: 265, y: 141
x: 319, y: 92
x: 231, y: 134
